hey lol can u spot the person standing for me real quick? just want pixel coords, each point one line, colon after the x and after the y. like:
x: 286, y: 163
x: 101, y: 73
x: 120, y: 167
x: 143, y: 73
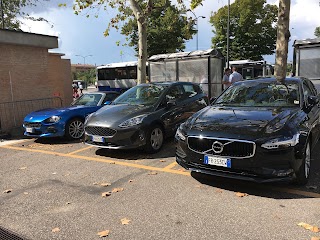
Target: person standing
x: 235, y: 76
x: 225, y: 79
x: 81, y: 88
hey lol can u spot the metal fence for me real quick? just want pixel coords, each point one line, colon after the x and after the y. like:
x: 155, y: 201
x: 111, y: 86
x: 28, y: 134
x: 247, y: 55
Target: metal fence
x: 13, y: 113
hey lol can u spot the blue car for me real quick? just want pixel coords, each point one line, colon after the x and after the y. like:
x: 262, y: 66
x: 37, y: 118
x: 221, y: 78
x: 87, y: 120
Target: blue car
x: 68, y: 121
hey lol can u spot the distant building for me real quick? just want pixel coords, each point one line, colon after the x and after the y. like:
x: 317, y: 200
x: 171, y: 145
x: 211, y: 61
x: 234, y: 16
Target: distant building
x: 28, y: 72
x: 82, y: 67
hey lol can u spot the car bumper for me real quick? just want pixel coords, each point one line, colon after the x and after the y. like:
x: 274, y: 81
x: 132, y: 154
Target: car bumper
x: 40, y: 130
x: 264, y: 166
x: 123, y: 139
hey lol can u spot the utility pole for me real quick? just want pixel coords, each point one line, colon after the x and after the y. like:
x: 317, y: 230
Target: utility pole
x: 228, y: 33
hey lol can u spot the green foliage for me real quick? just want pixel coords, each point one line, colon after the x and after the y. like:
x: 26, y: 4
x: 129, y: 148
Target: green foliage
x: 13, y: 9
x: 317, y: 32
x: 88, y: 76
x: 252, y: 29
x: 168, y: 29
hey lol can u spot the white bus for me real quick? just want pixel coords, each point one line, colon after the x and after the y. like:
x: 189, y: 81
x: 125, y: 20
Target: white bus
x: 117, y: 76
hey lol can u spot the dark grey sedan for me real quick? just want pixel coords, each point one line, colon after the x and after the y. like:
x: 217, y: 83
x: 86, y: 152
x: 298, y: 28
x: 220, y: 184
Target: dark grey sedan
x: 144, y: 116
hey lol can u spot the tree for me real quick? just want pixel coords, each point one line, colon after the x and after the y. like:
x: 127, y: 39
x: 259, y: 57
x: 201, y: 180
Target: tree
x: 317, y: 32
x: 252, y: 29
x: 11, y: 10
x: 140, y: 9
x: 168, y: 28
x: 283, y: 35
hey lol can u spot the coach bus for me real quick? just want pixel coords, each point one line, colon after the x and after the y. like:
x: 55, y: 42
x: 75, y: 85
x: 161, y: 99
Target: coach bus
x: 117, y: 76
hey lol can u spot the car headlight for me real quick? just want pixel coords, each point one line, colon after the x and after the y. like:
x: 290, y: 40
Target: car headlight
x: 133, y: 121
x: 282, y: 142
x: 180, y: 135
x: 52, y: 119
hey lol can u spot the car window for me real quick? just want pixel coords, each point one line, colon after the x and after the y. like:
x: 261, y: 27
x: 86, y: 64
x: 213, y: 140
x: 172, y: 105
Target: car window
x: 110, y: 97
x: 88, y: 99
x: 175, y: 93
x: 312, y: 87
x: 190, y: 90
x: 306, y: 90
x: 261, y: 94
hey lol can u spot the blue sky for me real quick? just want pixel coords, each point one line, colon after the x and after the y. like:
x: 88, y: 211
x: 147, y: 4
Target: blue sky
x: 79, y: 35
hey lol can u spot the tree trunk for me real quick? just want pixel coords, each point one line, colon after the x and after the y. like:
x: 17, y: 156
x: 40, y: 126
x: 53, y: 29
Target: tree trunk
x: 142, y: 32
x: 283, y: 35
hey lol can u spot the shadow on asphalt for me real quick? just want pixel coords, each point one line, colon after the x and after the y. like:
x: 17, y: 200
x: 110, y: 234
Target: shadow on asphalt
x: 56, y: 140
x: 167, y: 150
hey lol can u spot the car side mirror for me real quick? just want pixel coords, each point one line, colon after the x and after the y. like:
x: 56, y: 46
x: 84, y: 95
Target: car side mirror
x: 212, y: 99
x: 171, y: 103
x: 313, y: 100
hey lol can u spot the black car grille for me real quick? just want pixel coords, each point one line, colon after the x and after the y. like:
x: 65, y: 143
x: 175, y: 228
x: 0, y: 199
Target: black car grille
x: 100, y: 131
x: 230, y: 147
x: 32, y: 124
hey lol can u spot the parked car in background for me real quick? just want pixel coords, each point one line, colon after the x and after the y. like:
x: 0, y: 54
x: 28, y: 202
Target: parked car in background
x: 260, y: 130
x: 144, y: 115
x: 68, y: 121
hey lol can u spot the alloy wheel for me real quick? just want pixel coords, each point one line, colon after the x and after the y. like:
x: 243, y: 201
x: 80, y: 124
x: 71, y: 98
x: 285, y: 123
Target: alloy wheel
x: 156, y: 138
x: 76, y: 129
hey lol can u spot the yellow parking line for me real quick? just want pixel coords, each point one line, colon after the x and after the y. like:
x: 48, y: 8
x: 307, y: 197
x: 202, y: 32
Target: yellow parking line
x: 171, y: 165
x: 167, y: 169
x: 80, y: 150
x: 96, y: 159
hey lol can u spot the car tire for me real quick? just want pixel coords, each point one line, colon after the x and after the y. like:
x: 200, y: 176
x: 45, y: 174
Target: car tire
x: 154, y: 139
x: 74, y: 129
x: 302, y: 175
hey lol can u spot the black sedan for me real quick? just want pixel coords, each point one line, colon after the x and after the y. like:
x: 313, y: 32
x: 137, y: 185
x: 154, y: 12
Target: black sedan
x: 144, y: 115
x: 260, y: 130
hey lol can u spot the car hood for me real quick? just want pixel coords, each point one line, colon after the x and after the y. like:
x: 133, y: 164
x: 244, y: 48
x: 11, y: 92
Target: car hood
x: 43, y: 114
x: 113, y: 115
x: 228, y: 122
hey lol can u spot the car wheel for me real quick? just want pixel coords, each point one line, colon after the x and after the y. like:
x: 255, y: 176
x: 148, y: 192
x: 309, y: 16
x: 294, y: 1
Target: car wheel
x: 74, y: 129
x: 302, y: 176
x: 155, y: 138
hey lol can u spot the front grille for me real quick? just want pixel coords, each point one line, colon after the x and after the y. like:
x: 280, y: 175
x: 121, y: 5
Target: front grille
x: 100, y: 131
x: 230, y: 147
x: 32, y: 124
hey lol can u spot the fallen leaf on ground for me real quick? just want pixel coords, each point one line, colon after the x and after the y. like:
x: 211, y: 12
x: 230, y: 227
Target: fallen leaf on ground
x: 95, y: 183
x: 113, y: 163
x: 315, y: 238
x: 130, y: 180
x: 162, y: 160
x: 105, y: 184
x: 125, y: 221
x: 7, y: 191
x: 200, y: 186
x: 117, y: 190
x: 104, y: 233
x: 239, y: 194
x: 312, y: 187
x: 23, y: 168
x: 105, y: 194
x: 25, y: 193
x: 218, y: 190
x: 307, y: 226
x: 152, y: 173
x: 55, y: 230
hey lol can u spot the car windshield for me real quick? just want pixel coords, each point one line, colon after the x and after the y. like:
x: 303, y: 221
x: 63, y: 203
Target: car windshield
x: 88, y: 99
x: 261, y: 94
x: 141, y: 95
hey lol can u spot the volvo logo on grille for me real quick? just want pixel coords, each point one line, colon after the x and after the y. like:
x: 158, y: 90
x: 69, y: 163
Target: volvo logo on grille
x: 217, y: 147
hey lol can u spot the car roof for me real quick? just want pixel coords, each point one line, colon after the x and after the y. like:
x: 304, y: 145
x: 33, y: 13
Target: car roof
x: 273, y: 79
x: 167, y: 83
x: 106, y: 92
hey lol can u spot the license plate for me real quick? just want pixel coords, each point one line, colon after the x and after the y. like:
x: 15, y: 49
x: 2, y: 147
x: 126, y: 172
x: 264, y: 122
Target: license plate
x: 97, y: 139
x: 217, y: 161
x: 29, y: 130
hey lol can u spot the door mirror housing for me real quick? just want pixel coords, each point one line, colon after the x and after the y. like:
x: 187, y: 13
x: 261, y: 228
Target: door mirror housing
x: 171, y: 103
x: 313, y: 100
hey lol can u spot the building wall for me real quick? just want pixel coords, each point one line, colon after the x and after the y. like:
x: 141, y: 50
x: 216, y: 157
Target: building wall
x: 28, y: 73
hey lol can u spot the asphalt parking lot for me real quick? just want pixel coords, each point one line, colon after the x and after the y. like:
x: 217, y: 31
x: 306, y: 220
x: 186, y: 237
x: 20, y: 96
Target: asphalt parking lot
x: 52, y: 189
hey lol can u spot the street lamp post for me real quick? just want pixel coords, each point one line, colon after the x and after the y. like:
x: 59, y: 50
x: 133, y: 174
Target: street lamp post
x: 196, y: 18
x: 84, y: 58
x: 228, y: 33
